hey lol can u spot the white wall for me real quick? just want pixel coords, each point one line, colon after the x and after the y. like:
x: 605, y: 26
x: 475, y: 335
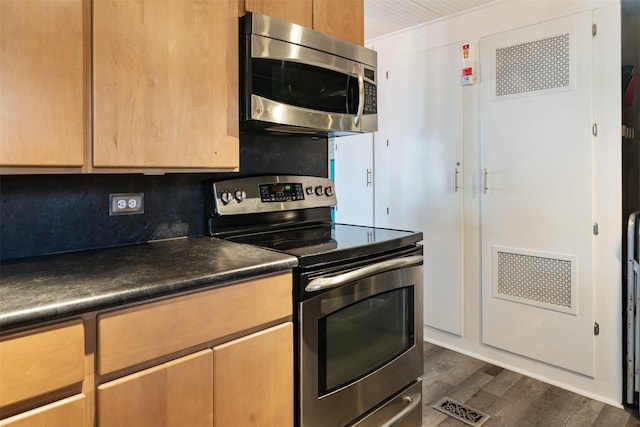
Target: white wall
x: 498, y: 17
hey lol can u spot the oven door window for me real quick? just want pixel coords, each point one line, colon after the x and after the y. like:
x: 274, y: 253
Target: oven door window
x: 364, y: 336
x: 305, y: 86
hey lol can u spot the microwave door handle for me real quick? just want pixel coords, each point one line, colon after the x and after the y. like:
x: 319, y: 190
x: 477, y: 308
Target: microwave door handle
x: 322, y: 283
x: 360, y: 75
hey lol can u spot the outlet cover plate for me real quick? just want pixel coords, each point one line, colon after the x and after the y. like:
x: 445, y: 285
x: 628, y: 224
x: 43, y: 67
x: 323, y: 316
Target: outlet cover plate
x: 126, y: 204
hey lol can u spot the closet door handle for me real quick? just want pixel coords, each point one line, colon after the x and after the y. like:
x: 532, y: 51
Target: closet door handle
x: 456, y: 184
x: 369, y: 178
x: 485, y: 186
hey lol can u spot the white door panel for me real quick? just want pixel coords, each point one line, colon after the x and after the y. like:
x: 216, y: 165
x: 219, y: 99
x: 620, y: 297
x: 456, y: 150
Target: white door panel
x: 424, y: 121
x: 353, y: 163
x: 537, y: 210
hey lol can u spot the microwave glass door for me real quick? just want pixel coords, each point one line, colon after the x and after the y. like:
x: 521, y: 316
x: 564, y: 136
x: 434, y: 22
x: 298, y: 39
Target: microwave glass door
x: 305, y: 86
x: 362, y: 337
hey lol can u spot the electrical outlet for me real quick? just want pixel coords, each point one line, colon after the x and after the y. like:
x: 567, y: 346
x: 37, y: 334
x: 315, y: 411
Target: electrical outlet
x: 126, y: 203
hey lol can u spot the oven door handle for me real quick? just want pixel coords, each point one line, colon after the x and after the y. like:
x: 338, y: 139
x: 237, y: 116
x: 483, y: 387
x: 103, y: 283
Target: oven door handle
x: 322, y: 283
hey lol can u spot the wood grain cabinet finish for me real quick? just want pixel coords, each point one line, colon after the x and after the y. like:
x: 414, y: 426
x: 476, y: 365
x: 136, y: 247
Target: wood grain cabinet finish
x: 69, y: 412
x: 175, y: 394
x: 41, y: 361
x: 42, y: 83
x: 340, y: 18
x: 165, y: 84
x: 253, y: 379
x: 168, y: 326
x: 297, y: 11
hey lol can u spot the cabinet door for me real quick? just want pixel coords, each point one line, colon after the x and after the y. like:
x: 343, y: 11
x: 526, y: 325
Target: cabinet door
x: 340, y: 18
x: 253, y: 379
x: 175, y: 394
x: 64, y: 413
x: 353, y: 157
x: 165, y: 84
x: 42, y: 100
x: 296, y: 11
x: 424, y: 174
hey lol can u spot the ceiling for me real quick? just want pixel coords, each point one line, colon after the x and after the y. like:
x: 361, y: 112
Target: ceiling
x: 386, y: 16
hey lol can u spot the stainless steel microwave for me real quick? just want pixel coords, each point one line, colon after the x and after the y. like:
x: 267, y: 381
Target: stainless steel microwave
x: 297, y: 80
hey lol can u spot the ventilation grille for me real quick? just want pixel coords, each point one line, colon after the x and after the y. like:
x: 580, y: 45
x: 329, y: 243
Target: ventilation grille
x: 461, y: 412
x: 534, y: 66
x: 536, y: 279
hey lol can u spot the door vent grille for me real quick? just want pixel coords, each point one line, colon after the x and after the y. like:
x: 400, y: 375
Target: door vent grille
x: 534, y: 66
x: 539, y: 279
x: 461, y: 412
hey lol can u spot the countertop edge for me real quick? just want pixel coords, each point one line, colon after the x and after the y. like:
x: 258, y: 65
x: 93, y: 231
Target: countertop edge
x: 27, y: 317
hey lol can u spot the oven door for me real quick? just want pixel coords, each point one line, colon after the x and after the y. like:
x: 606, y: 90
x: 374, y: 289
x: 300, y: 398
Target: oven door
x: 360, y: 341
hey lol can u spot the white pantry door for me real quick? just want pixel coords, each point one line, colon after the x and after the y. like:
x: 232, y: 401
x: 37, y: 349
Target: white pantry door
x: 424, y: 120
x: 537, y: 227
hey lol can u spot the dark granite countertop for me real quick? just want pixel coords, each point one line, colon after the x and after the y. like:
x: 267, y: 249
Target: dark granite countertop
x: 55, y: 287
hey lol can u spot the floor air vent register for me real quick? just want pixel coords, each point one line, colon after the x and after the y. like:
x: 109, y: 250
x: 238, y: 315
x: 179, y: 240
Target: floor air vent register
x: 461, y: 412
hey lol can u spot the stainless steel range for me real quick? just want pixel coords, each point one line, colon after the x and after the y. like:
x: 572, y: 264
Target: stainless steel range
x: 357, y: 295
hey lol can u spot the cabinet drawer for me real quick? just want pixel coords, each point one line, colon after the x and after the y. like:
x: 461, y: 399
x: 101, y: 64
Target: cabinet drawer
x: 142, y: 333
x: 68, y: 412
x: 41, y: 361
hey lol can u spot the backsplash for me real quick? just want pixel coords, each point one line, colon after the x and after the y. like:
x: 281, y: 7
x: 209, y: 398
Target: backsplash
x: 45, y: 214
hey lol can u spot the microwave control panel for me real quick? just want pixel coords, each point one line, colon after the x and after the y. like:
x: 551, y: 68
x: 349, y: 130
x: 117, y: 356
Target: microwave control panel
x: 370, y: 99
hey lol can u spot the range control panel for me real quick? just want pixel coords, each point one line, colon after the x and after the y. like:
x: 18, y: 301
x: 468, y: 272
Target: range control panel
x: 281, y: 192
x: 272, y: 194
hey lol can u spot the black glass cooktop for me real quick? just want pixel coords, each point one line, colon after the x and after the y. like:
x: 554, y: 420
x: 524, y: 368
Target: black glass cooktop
x: 330, y: 242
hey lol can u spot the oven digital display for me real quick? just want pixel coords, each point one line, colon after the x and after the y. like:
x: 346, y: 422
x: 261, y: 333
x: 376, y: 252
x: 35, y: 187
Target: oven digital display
x: 281, y: 192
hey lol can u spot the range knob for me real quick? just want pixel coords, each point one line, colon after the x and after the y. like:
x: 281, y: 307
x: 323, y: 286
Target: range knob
x: 319, y: 190
x: 328, y: 191
x: 240, y: 195
x: 226, y: 197
x: 309, y: 190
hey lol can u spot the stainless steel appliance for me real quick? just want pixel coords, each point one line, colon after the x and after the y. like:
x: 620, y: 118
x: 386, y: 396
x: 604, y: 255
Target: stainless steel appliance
x: 297, y: 80
x: 357, y: 295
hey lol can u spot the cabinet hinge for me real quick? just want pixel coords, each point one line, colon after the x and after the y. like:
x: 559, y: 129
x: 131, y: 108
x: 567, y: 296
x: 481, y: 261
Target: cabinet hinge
x: 594, y: 30
x: 596, y: 329
x: 596, y: 229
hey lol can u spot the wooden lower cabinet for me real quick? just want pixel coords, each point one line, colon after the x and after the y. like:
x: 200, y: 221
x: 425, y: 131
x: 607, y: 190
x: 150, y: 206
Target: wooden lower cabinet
x: 69, y: 412
x: 253, y: 379
x: 176, y: 393
x: 41, y: 361
x: 244, y: 382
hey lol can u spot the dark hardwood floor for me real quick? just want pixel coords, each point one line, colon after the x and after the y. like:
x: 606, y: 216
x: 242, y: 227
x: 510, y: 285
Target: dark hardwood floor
x: 510, y: 399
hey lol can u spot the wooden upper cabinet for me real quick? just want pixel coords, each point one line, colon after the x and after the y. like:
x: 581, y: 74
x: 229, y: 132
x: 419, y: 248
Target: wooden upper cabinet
x: 340, y: 18
x: 165, y: 84
x: 42, y: 77
x: 297, y: 11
